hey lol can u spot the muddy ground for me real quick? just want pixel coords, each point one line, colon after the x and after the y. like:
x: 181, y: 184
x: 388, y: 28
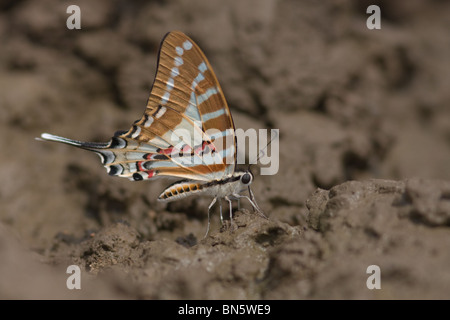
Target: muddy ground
x: 364, y: 176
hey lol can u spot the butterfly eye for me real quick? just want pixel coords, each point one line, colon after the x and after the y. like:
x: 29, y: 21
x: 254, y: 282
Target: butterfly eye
x: 246, y: 178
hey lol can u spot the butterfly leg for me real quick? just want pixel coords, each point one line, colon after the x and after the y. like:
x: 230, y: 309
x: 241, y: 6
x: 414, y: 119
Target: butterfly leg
x: 209, y: 216
x: 231, y: 211
x: 231, y: 208
x: 253, y: 203
x: 220, y: 209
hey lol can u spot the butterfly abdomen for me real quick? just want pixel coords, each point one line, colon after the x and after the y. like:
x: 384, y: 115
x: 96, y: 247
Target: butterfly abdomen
x: 216, y: 188
x: 180, y: 190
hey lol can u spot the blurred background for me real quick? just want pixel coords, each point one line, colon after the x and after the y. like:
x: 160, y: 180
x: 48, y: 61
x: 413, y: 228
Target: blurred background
x: 351, y: 103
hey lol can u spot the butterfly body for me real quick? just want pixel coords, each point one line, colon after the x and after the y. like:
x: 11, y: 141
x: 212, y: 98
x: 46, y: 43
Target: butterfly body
x: 220, y: 189
x: 187, y: 131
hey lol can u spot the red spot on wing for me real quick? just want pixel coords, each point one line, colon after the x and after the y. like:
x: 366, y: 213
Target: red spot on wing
x: 186, y: 148
x: 210, y: 146
x: 202, y: 148
x: 166, y: 151
x: 139, y: 164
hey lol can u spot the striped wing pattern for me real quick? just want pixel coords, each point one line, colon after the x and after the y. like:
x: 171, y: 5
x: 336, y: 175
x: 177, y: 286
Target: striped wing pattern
x: 186, y: 131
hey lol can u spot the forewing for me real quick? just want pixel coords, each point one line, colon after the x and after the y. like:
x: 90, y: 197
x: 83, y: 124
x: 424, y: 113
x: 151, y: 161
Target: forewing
x: 187, y: 112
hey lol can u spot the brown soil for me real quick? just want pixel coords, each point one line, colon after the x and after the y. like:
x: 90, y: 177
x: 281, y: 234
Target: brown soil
x: 364, y: 175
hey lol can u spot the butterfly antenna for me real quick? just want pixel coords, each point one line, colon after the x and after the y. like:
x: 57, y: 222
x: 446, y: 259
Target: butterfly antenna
x: 261, y: 153
x: 274, y: 134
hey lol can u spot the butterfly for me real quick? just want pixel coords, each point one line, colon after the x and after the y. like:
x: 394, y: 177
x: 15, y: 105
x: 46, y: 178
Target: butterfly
x: 186, y: 132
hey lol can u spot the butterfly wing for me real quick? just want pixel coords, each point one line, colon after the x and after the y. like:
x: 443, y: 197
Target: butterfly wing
x: 186, y: 131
